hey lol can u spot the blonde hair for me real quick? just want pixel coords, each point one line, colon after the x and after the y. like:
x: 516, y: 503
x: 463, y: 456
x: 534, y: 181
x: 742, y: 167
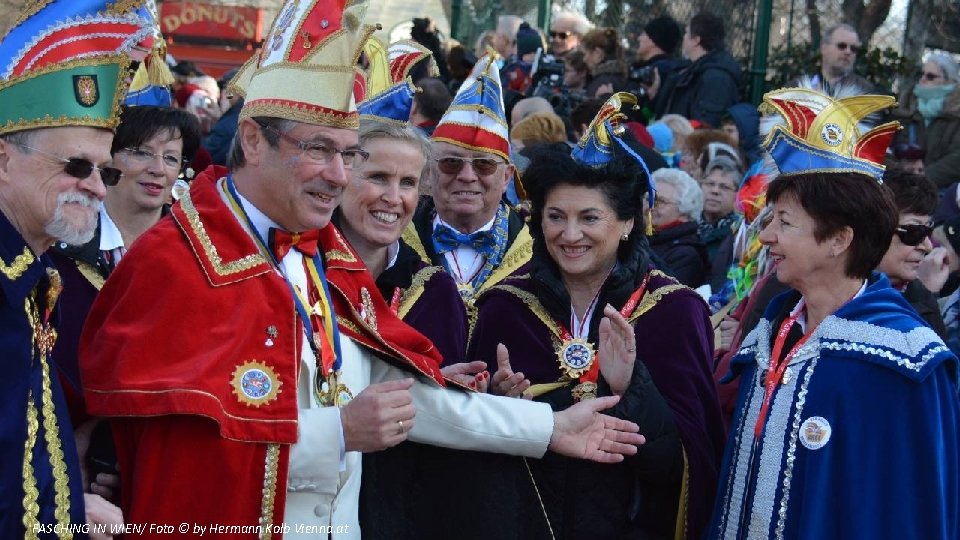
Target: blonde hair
x: 539, y: 127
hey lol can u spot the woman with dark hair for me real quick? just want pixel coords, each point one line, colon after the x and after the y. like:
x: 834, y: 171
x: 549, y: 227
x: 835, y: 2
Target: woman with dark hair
x: 150, y: 148
x: 916, y: 199
x: 604, y: 57
x: 590, y: 287
x: 839, y: 365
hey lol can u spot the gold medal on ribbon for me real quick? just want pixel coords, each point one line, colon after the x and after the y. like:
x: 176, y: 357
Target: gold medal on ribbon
x: 575, y: 356
x: 332, y: 392
x: 584, y: 390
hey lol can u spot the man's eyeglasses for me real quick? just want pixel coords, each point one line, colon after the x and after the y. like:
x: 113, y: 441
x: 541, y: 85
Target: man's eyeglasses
x: 914, y: 234
x: 80, y: 168
x: 928, y: 76
x: 321, y: 153
x: 143, y: 157
x: 841, y: 46
x: 482, y: 166
x: 559, y: 35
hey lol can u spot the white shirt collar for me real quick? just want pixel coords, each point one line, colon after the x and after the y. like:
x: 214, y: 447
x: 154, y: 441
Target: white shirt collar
x: 261, y: 222
x: 485, y: 227
x: 110, y: 237
x: 392, y: 253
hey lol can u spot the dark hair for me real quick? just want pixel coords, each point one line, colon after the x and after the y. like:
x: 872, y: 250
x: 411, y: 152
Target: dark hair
x: 433, y: 99
x: 622, y: 182
x: 838, y: 200
x: 236, y: 157
x: 709, y: 28
x: 912, y: 193
x: 584, y: 113
x: 573, y: 60
x: 605, y: 39
x: 142, y: 123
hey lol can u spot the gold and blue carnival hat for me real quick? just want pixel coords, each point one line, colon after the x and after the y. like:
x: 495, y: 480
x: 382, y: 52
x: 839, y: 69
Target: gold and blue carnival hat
x: 476, y: 119
x: 307, y: 69
x: 151, y: 82
x: 64, y: 63
x: 407, y: 53
x: 823, y: 134
x: 595, y: 147
x: 387, y: 99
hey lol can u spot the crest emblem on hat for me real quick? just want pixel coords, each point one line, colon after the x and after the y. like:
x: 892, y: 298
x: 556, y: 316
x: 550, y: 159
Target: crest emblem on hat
x: 86, y: 90
x: 255, y: 383
x: 832, y: 134
x: 815, y: 432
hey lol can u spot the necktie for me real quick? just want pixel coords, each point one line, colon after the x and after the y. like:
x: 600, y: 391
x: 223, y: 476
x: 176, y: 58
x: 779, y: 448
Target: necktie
x: 447, y: 239
x: 281, y: 241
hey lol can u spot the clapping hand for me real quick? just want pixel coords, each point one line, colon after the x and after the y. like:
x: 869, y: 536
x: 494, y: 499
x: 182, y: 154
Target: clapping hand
x: 582, y: 432
x: 472, y: 374
x: 618, y: 350
x: 505, y: 381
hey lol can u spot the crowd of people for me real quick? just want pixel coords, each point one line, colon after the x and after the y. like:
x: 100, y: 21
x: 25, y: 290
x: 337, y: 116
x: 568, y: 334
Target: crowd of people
x: 532, y: 289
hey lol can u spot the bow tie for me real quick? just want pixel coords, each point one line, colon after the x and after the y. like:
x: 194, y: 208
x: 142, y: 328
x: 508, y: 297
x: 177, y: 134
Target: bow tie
x: 281, y: 241
x: 447, y: 239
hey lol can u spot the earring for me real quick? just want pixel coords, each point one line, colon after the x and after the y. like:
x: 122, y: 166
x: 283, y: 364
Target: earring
x: 625, y: 237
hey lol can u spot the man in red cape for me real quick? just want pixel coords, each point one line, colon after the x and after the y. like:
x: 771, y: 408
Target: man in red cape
x: 242, y: 351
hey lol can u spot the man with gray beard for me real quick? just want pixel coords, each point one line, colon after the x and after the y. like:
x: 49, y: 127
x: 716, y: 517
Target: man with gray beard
x: 55, y: 133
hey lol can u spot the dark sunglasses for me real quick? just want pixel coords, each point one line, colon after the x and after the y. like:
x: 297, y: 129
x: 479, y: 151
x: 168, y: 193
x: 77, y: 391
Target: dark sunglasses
x: 913, y: 235
x: 841, y: 46
x: 559, y: 35
x: 453, y: 165
x: 928, y: 76
x: 82, y: 168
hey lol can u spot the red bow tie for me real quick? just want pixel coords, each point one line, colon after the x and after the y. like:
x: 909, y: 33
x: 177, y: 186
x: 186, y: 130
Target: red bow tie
x: 281, y: 241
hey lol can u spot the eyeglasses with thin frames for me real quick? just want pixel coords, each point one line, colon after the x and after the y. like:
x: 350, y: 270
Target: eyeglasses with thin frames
x: 143, y: 157
x: 482, y: 166
x: 81, y: 168
x: 321, y: 153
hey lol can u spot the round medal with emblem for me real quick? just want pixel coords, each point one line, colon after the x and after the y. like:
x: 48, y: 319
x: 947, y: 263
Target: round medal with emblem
x: 255, y: 383
x: 575, y: 356
x: 832, y: 134
x: 333, y: 393
x: 584, y: 390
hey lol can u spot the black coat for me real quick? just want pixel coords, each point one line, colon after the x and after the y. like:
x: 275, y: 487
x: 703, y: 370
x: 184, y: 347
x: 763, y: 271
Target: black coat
x: 684, y: 253
x: 702, y: 91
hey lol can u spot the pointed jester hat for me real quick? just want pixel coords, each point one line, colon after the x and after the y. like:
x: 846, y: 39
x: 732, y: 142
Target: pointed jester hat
x: 390, y: 89
x: 476, y: 120
x: 605, y: 132
x: 64, y: 63
x: 823, y: 134
x: 307, y: 69
x: 151, y: 82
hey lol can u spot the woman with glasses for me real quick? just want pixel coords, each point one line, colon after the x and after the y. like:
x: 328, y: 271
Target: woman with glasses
x: 676, y: 215
x: 916, y: 199
x: 149, y: 149
x: 930, y: 116
x: 589, y: 316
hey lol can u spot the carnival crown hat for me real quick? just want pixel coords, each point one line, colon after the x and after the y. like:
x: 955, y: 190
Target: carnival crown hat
x: 307, y: 69
x: 476, y: 119
x: 595, y: 147
x: 64, y: 63
x: 151, y: 82
x: 389, y: 93
x: 823, y: 134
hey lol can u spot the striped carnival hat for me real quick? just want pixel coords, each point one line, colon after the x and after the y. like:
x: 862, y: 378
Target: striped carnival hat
x: 63, y: 63
x: 823, y: 134
x: 151, y: 82
x: 307, y: 69
x: 476, y: 120
x: 390, y: 88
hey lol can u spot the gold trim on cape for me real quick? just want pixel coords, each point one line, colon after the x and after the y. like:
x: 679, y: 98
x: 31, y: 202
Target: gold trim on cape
x: 91, y: 274
x: 209, y: 250
x: 269, y: 491
x: 416, y: 289
x: 18, y: 266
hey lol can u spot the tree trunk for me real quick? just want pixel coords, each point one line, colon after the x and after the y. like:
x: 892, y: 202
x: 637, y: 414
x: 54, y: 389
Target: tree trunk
x: 866, y: 18
x: 814, y: 18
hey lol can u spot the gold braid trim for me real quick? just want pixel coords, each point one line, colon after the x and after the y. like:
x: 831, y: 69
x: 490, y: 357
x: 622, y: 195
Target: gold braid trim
x: 680, y: 532
x: 412, y: 239
x: 31, y: 510
x: 89, y: 272
x: 269, y: 491
x: 651, y: 298
x: 18, y: 266
x: 413, y: 293
x: 210, y: 251
x: 518, y: 255
x: 536, y: 490
x: 51, y: 431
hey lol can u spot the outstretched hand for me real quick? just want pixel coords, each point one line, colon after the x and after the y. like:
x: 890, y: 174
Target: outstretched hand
x: 618, y: 350
x: 505, y: 382
x: 582, y: 432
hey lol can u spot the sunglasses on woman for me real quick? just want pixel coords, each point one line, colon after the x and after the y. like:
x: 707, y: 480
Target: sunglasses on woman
x: 80, y: 168
x: 453, y: 165
x: 841, y: 46
x: 559, y: 35
x: 914, y: 234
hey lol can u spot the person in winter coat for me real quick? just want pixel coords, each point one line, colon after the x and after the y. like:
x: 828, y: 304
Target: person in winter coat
x: 704, y: 90
x: 676, y: 215
x: 931, y: 119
